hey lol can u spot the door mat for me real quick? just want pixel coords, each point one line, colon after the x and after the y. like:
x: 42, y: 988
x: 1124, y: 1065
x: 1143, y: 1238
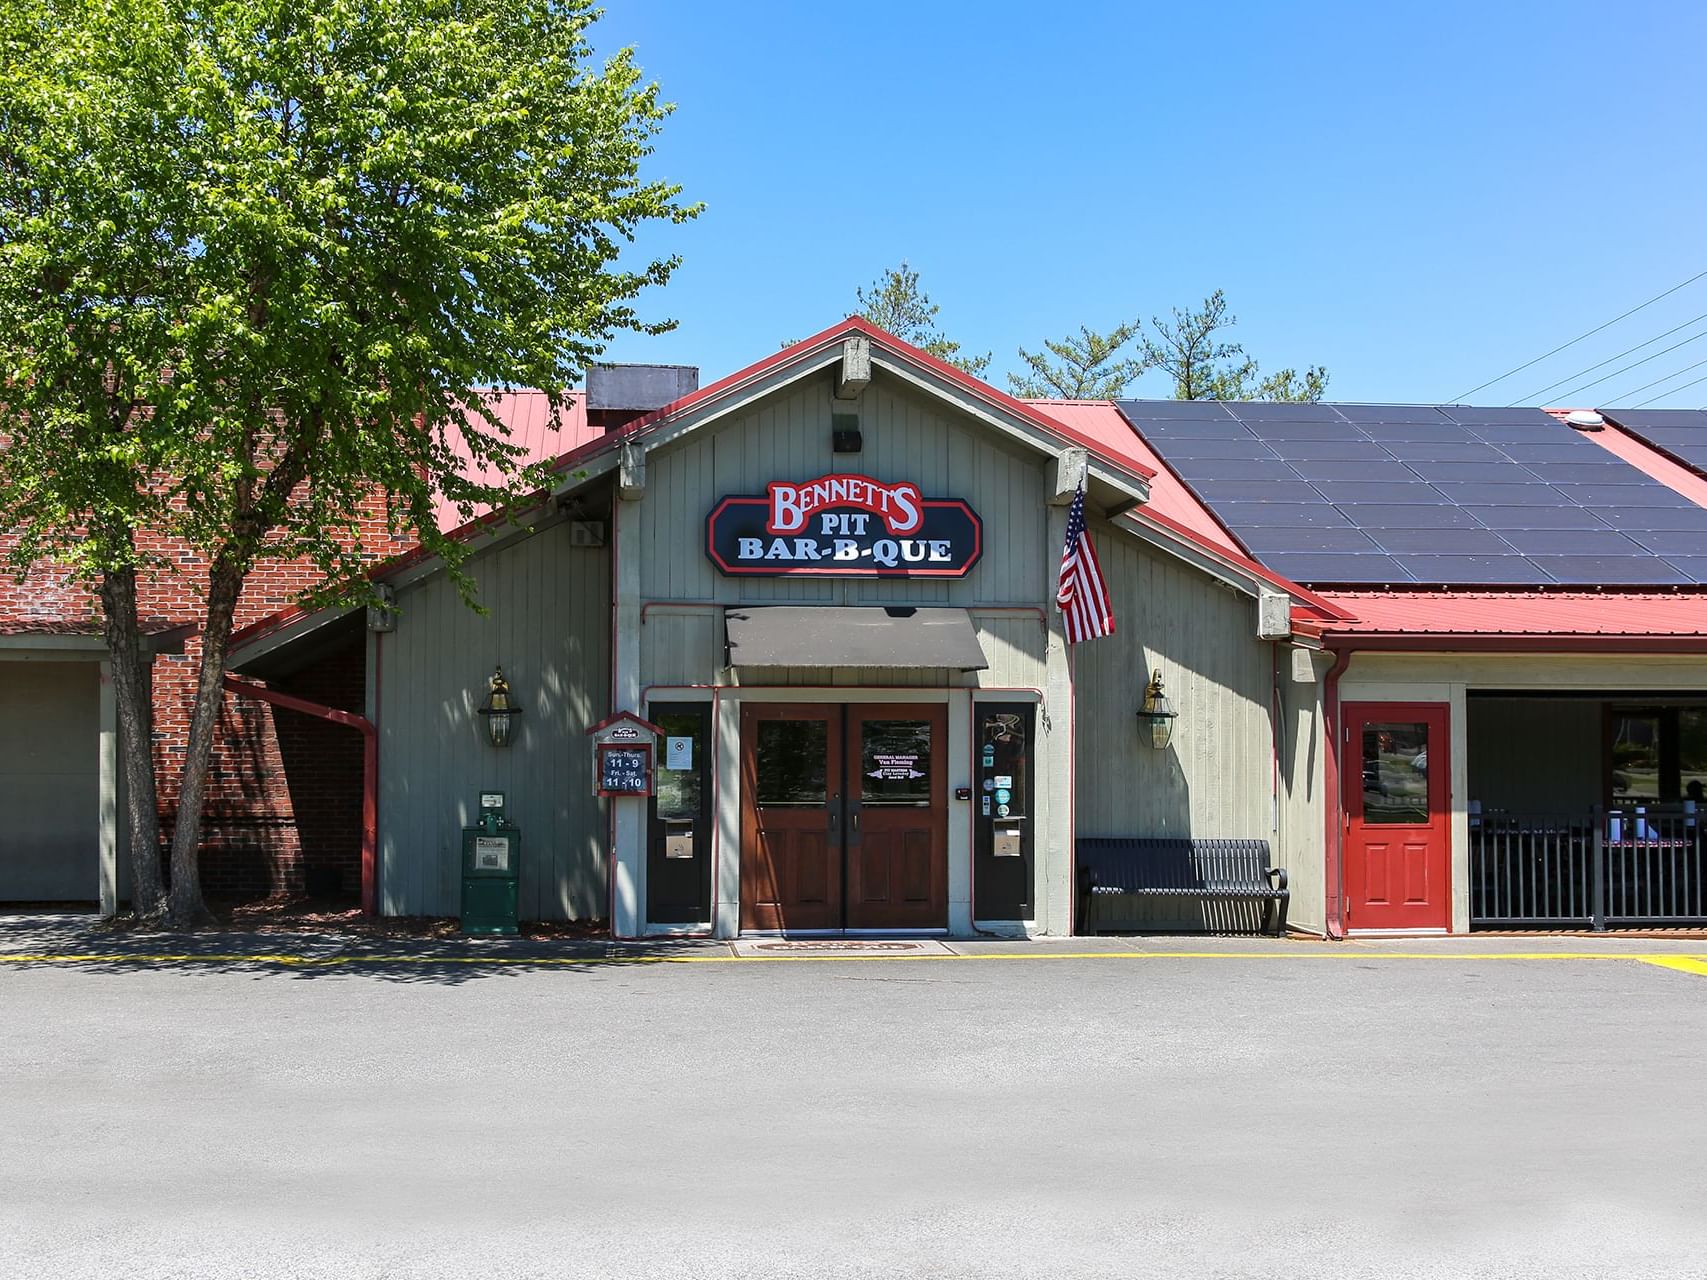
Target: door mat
x: 825, y: 948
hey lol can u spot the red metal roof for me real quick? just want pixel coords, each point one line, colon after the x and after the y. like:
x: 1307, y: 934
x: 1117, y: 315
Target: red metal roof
x: 1100, y: 421
x: 527, y: 414
x: 1522, y: 613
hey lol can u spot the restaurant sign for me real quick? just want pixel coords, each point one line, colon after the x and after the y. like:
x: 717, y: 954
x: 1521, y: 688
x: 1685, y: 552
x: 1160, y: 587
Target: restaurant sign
x: 844, y: 527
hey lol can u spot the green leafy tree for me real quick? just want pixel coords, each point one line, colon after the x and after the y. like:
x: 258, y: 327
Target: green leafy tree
x: 1088, y: 366
x: 896, y: 304
x: 1204, y: 365
x: 257, y: 258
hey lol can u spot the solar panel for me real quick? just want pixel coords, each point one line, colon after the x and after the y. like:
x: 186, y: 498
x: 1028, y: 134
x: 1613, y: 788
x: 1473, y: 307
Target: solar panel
x: 1503, y: 518
x: 1500, y: 495
x: 1680, y: 432
x: 1412, y: 492
x: 1344, y: 449
x: 1378, y: 516
x: 1463, y: 541
x: 1338, y: 568
x: 1441, y: 451
x: 1267, y: 411
x: 1374, y: 413
x: 1241, y: 469
x: 1277, y: 540
x: 1634, y: 494
x: 1482, y: 414
x: 1369, y: 494
x: 1628, y: 571
x: 1481, y: 570
x: 1244, y: 446
x: 1280, y: 515
x: 1500, y: 471
x: 1214, y: 491
x: 1650, y: 518
x: 1671, y: 543
x: 1693, y: 568
x: 1583, y: 472
x: 1580, y: 542
x: 1334, y: 469
x: 1307, y: 429
x: 1191, y: 410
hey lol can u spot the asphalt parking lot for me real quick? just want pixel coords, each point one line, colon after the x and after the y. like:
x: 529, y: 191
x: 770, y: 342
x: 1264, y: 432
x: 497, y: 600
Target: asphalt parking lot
x: 1201, y: 1107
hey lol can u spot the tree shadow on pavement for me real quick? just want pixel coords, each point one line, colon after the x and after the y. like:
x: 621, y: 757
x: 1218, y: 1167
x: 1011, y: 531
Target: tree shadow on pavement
x: 77, y: 943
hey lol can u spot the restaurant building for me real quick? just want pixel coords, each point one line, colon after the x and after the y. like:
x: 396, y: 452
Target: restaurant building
x: 782, y: 654
x: 828, y: 582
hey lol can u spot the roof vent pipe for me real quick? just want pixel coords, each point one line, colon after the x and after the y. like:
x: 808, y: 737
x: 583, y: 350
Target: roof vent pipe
x: 1585, y: 420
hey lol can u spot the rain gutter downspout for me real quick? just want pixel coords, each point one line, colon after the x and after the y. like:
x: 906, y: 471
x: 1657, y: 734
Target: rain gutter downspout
x: 370, y: 770
x: 1333, y: 799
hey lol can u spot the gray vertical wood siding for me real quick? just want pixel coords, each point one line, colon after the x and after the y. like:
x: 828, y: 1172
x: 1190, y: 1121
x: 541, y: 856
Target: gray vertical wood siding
x: 1215, y: 778
x: 787, y: 437
x: 549, y: 626
x: 1218, y: 776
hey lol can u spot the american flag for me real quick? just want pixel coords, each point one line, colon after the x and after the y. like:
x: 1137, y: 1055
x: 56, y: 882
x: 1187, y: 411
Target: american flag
x: 1086, y: 612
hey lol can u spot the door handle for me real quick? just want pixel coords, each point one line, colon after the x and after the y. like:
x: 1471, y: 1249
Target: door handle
x: 856, y: 821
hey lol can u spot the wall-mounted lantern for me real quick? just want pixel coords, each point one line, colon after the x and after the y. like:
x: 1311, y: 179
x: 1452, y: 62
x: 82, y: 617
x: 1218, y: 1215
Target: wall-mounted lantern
x: 500, y: 709
x: 1157, y: 713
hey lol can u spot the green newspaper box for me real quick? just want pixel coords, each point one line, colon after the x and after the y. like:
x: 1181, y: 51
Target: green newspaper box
x: 491, y: 867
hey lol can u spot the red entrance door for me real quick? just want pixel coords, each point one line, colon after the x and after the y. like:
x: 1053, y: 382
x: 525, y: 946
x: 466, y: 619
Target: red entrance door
x: 1398, y: 844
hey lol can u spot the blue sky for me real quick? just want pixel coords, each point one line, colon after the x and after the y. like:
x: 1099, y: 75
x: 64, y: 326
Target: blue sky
x: 1418, y: 196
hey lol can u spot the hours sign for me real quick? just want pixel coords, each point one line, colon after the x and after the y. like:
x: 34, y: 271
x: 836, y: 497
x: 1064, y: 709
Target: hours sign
x: 844, y: 526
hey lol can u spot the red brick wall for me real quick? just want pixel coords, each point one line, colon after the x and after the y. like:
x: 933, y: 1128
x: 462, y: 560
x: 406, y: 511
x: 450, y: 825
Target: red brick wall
x: 283, y: 794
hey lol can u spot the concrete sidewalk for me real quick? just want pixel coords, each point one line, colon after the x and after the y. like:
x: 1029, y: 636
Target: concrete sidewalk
x: 72, y: 937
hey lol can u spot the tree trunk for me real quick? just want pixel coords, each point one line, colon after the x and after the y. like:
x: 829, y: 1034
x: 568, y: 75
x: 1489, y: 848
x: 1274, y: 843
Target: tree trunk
x: 133, y: 694
x: 225, y: 584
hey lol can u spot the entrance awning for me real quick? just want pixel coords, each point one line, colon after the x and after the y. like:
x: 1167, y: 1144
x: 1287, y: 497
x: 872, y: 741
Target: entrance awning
x: 817, y: 636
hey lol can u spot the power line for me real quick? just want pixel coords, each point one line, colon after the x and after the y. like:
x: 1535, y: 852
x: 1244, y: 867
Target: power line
x: 1656, y: 382
x: 1634, y: 365
x: 1573, y: 342
x: 1662, y: 395
x: 1534, y: 397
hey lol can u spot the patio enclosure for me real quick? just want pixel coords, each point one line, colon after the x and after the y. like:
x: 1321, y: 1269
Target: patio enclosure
x: 1586, y: 811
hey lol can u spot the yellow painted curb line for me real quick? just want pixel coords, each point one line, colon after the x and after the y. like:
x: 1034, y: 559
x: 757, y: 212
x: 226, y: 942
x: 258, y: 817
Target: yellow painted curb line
x: 1682, y: 963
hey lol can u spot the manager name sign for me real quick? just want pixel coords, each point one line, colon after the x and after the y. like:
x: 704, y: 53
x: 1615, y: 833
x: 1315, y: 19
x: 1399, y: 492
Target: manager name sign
x: 844, y: 526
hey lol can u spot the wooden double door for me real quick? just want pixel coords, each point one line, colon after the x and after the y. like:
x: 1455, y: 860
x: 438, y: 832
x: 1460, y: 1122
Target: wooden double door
x: 844, y: 817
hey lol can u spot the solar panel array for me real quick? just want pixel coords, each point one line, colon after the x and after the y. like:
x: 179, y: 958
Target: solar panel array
x: 1679, y: 432
x: 1365, y: 494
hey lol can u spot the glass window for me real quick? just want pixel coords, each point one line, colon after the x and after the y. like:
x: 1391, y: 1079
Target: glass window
x: 1395, y: 773
x: 895, y: 762
x: 1004, y: 766
x: 793, y: 759
x: 1692, y: 753
x: 679, y: 789
x: 1635, y: 757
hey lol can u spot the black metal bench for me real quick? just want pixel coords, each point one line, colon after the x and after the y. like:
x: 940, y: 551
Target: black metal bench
x: 1169, y: 867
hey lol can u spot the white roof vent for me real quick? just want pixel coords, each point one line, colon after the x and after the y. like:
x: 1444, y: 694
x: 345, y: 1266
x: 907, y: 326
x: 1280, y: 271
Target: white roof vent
x: 1585, y: 420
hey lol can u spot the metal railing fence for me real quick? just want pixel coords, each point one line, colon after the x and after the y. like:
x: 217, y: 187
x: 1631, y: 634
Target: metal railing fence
x: 1596, y: 869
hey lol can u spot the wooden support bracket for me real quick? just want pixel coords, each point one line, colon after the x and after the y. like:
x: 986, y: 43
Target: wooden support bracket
x: 1072, y: 466
x: 855, y: 376
x: 631, y: 472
